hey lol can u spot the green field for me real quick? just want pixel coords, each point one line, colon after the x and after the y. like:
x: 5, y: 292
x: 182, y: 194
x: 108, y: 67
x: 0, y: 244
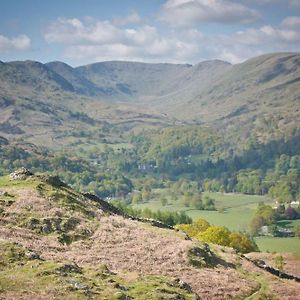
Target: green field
x: 238, y: 212
x: 238, y: 209
x: 276, y: 244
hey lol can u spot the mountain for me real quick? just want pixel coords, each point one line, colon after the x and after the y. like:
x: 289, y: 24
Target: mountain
x: 79, y: 83
x: 46, y: 103
x: 31, y: 76
x: 259, y: 85
x: 58, y: 243
x: 238, y: 100
x: 132, y: 79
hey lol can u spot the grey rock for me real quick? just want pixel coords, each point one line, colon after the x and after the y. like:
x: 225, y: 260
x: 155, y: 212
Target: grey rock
x: 69, y: 268
x: 77, y: 285
x: 20, y: 174
x: 32, y: 255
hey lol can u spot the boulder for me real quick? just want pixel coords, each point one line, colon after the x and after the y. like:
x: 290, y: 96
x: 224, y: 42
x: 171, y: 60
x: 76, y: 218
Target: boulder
x: 20, y: 174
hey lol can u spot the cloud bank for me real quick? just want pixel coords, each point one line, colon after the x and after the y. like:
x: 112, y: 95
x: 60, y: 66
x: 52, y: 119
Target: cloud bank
x: 176, y: 35
x: 18, y: 43
x: 104, y: 40
x: 190, y: 12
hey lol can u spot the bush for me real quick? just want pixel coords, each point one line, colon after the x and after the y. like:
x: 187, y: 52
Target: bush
x: 201, y: 230
x: 216, y: 235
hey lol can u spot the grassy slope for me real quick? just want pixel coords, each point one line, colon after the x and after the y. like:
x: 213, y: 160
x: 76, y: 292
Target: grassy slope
x: 24, y: 278
x: 62, y: 226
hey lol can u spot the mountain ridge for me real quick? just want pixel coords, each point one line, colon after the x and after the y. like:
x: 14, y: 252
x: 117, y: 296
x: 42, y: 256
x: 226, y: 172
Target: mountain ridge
x: 212, y: 92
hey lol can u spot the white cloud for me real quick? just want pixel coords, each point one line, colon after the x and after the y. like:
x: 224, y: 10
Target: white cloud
x: 190, y: 12
x: 241, y: 45
x: 74, y: 31
x: 132, y: 18
x: 283, y: 36
x: 18, y: 43
x: 103, y: 40
x: 291, y: 23
x: 88, y: 39
x: 290, y: 3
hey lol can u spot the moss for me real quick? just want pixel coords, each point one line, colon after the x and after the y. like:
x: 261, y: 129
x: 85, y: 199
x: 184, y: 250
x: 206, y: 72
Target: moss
x: 11, y: 253
x: 6, y: 199
x: 65, y: 198
x: 157, y: 287
x: 5, y: 181
x: 20, y: 275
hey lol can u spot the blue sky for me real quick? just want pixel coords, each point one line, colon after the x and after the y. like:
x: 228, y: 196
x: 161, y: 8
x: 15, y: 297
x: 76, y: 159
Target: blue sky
x: 178, y: 31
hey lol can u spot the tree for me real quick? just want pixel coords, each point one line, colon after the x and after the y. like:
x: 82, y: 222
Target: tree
x: 291, y: 213
x: 146, y: 194
x: 282, y: 192
x: 137, y: 198
x: 208, y: 203
x: 164, y: 201
x: 216, y: 235
x: 256, y: 223
x: 195, y: 228
x: 267, y: 213
x: 187, y: 199
x: 279, y: 263
x: 197, y: 201
x: 242, y: 242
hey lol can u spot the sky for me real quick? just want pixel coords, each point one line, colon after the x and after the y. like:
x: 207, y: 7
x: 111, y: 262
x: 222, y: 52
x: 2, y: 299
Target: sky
x: 80, y: 32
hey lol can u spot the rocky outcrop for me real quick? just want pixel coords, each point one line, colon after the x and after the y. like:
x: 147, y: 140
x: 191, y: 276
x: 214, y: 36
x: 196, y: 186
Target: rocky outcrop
x: 20, y: 174
x: 262, y: 265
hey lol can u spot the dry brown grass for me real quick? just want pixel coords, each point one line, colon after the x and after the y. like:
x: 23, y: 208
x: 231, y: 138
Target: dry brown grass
x: 129, y: 245
x: 291, y: 264
x: 282, y: 289
x: 126, y: 245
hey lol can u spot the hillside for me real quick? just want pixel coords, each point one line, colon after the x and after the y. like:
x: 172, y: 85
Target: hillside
x: 59, y: 243
x: 239, y: 100
x: 232, y: 128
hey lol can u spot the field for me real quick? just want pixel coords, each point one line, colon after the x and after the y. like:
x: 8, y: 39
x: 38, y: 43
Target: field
x: 234, y: 211
x: 275, y: 244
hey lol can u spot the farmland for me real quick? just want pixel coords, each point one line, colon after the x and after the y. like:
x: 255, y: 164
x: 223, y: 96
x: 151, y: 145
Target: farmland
x: 233, y: 210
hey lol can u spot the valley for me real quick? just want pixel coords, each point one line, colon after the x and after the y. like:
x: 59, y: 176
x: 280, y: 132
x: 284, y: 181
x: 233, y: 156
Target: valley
x: 162, y: 148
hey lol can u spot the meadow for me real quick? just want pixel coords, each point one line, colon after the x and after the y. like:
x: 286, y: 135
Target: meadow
x: 276, y: 244
x: 235, y: 212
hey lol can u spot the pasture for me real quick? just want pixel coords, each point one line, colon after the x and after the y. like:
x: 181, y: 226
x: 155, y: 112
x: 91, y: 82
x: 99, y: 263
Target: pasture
x: 234, y: 211
x: 276, y: 244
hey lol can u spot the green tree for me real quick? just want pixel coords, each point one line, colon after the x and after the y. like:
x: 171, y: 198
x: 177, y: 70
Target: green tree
x: 256, y: 223
x: 137, y: 198
x: 242, y: 242
x: 197, y: 201
x: 163, y: 201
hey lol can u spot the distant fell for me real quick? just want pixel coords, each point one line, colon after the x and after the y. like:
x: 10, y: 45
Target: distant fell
x: 214, y: 92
